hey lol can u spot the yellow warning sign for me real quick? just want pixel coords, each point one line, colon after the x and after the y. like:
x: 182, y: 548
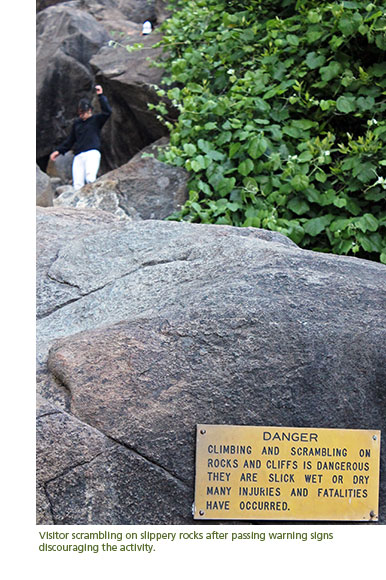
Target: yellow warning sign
x: 286, y: 473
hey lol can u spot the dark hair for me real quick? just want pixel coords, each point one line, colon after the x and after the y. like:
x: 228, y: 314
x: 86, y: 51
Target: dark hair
x: 84, y: 105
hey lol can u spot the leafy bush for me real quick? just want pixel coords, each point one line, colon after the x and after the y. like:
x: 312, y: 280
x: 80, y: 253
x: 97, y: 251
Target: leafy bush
x: 281, y: 118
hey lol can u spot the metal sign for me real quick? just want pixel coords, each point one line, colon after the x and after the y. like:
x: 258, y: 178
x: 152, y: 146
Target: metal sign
x: 286, y: 473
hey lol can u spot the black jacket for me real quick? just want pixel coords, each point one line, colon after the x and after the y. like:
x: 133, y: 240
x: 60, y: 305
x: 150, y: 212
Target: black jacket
x: 86, y: 135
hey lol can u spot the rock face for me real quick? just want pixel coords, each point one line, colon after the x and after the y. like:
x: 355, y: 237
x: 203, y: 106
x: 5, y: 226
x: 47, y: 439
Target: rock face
x: 69, y: 35
x: 44, y: 192
x: 161, y: 10
x: 148, y: 328
x: 66, y: 40
x: 131, y: 80
x: 85, y: 454
x: 143, y: 188
x: 150, y: 189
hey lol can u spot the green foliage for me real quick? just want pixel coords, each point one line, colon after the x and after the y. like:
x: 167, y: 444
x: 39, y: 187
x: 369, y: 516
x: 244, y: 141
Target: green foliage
x: 281, y: 118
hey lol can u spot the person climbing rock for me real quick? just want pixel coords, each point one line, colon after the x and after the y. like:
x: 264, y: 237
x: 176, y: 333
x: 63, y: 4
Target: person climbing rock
x: 85, y: 140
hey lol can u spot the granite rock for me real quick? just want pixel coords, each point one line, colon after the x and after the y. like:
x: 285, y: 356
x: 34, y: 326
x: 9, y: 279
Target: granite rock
x: 44, y: 191
x: 172, y: 324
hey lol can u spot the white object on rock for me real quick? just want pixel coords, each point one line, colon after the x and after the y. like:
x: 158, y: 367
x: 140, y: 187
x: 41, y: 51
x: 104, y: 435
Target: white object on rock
x: 146, y: 28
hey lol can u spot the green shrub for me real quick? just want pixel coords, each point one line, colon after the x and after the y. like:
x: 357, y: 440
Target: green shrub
x: 281, y: 118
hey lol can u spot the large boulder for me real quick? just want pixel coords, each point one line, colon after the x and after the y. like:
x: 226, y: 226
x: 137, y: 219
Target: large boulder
x: 143, y: 188
x: 147, y: 328
x: 132, y: 82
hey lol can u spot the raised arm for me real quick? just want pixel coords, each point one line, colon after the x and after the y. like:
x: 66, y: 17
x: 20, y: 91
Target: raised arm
x: 105, y: 106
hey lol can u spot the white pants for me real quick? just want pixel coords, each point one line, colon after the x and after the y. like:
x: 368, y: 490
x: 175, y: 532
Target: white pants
x: 85, y: 167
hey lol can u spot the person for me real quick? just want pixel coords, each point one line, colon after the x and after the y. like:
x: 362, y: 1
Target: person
x: 85, y: 140
x: 146, y: 28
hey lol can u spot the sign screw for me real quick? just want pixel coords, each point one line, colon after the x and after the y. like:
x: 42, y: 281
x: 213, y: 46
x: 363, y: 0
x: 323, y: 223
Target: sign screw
x: 202, y: 512
x: 203, y: 431
x: 372, y: 513
x: 374, y: 437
